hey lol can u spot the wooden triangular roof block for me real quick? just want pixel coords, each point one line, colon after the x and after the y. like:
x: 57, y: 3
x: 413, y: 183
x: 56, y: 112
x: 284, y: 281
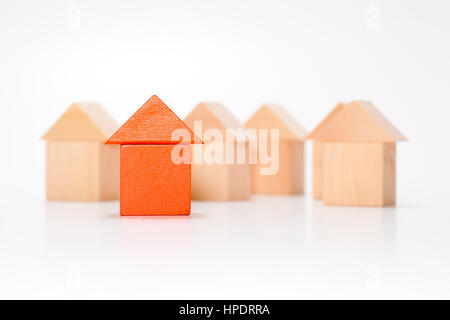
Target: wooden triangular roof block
x: 83, y: 121
x: 272, y: 116
x: 153, y: 123
x: 358, y: 121
x: 325, y: 121
x: 213, y: 115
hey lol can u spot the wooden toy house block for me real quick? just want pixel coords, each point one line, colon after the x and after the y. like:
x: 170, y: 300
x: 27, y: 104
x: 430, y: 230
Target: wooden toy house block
x: 152, y: 182
x: 79, y: 166
x: 220, y: 180
x: 359, y: 157
x: 290, y: 176
x: 318, y: 154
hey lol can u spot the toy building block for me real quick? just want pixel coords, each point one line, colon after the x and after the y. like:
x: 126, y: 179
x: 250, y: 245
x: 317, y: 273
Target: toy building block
x: 318, y: 154
x: 219, y: 181
x: 151, y: 182
x: 359, y: 157
x: 79, y: 166
x: 290, y: 177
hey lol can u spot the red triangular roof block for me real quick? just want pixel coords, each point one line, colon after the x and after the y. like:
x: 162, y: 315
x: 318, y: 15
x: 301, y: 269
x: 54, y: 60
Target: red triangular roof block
x: 153, y: 123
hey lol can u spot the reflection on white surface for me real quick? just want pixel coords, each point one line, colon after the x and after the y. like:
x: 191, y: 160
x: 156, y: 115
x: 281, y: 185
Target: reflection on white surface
x: 269, y: 247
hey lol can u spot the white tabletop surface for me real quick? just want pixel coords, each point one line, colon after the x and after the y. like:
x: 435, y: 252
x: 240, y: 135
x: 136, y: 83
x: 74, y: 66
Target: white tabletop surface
x: 266, y: 248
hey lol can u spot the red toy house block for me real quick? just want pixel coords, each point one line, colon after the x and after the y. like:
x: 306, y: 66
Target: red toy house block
x: 151, y: 182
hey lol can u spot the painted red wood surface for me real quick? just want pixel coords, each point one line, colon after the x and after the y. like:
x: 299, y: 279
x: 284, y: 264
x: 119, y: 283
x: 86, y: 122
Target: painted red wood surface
x: 153, y: 123
x: 151, y: 183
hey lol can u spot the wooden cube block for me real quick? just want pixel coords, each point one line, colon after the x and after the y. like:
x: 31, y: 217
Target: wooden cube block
x: 82, y: 171
x: 220, y: 181
x: 317, y: 169
x: 289, y: 178
x: 359, y: 174
x: 318, y: 152
x: 151, y: 184
x: 357, y: 145
x: 79, y: 166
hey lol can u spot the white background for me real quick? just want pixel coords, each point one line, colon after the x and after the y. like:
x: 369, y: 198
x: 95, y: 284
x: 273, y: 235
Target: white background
x: 307, y: 55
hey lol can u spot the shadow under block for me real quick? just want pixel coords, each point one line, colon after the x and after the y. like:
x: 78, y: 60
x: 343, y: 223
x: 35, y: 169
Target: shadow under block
x: 359, y: 174
x: 289, y: 178
x: 317, y: 169
x: 220, y: 182
x: 82, y: 171
x: 151, y: 183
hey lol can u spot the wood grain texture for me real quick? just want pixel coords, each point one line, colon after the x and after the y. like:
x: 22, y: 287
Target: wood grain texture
x: 218, y: 181
x: 109, y: 172
x: 153, y: 123
x: 221, y: 181
x: 359, y: 174
x: 318, y: 169
x: 239, y: 182
x: 318, y: 152
x: 83, y: 121
x: 390, y: 173
x: 272, y: 116
x: 358, y: 121
x: 151, y: 184
x: 326, y: 120
x: 213, y: 115
x: 74, y: 171
x: 290, y: 176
